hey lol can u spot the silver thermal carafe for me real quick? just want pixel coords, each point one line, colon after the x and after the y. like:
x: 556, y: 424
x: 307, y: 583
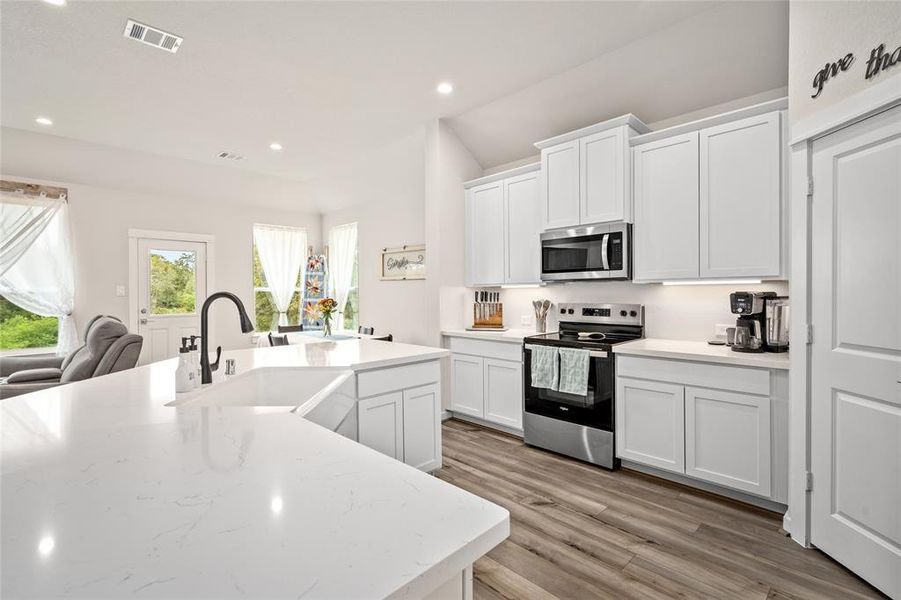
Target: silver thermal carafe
x: 778, y: 312
x: 749, y: 327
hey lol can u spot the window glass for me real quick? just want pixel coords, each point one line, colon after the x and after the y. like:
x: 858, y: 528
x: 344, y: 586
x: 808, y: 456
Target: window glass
x: 173, y: 279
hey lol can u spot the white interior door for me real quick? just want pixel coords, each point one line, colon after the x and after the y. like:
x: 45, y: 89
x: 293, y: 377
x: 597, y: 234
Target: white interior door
x: 172, y: 285
x: 856, y: 356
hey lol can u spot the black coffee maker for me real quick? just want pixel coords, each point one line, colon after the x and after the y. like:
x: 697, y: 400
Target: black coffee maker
x: 750, y: 325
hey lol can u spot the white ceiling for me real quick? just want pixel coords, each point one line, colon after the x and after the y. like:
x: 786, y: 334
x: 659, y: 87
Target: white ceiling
x: 329, y: 80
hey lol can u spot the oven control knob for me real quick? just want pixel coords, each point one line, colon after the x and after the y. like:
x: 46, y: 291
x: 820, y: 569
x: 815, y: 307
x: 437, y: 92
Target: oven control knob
x: 623, y: 313
x: 562, y: 311
x: 633, y: 313
x: 570, y: 311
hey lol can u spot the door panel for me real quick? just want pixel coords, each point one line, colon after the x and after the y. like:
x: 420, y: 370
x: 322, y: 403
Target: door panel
x: 523, y: 228
x: 856, y: 353
x: 665, y: 233
x: 467, y: 393
x: 740, y: 198
x: 172, y: 281
x: 422, y: 427
x: 650, y: 426
x: 486, y: 224
x: 602, y: 177
x: 727, y: 439
x: 503, y: 392
x: 560, y: 185
x: 380, y: 422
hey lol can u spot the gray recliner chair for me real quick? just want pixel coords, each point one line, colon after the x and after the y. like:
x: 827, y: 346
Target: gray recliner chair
x: 107, y: 348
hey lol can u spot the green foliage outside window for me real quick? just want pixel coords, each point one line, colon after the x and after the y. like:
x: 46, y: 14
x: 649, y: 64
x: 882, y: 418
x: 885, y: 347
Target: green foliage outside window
x: 172, y: 282
x: 22, y: 329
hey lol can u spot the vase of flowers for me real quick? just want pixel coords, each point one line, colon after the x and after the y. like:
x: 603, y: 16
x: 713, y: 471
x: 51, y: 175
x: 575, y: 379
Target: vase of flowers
x: 327, y: 308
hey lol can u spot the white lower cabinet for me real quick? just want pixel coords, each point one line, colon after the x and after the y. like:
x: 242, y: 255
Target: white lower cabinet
x: 503, y: 392
x: 400, y: 415
x: 422, y: 427
x: 734, y: 438
x: 381, y: 424
x: 486, y: 381
x: 649, y: 423
x: 727, y: 439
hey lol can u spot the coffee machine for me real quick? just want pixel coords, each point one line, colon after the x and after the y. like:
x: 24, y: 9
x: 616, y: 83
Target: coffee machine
x: 749, y: 327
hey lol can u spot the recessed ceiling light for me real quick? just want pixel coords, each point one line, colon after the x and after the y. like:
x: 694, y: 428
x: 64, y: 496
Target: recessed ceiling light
x: 445, y: 88
x: 275, y: 146
x: 43, y: 121
x: 56, y: 2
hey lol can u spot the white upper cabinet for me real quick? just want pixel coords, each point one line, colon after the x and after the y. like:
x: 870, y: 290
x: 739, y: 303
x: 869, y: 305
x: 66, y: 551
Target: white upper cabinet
x: 665, y: 234
x: 503, y: 224
x: 485, y: 210
x: 740, y: 192
x: 560, y: 185
x: 708, y: 198
x: 585, y: 174
x: 523, y: 228
x: 603, y: 158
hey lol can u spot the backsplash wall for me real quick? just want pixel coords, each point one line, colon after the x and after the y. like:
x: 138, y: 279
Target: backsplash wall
x: 683, y: 312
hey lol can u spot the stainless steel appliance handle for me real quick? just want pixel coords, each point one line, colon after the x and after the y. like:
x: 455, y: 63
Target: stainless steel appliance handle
x: 597, y: 354
x: 604, y: 262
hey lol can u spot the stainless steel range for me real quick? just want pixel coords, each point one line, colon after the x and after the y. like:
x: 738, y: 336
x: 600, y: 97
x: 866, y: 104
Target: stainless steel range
x: 575, y: 425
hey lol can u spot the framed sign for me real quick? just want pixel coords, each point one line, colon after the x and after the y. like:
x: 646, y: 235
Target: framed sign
x: 406, y: 262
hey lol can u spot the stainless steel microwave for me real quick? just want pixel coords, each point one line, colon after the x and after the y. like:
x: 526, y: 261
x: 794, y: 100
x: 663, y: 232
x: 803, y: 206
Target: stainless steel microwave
x: 592, y: 252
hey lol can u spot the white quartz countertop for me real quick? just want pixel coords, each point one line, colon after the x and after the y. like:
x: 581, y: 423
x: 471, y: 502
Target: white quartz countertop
x: 703, y: 352
x: 513, y: 336
x: 108, y: 492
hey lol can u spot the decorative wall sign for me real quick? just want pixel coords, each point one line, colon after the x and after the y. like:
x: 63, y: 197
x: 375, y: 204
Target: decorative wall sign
x: 406, y: 262
x: 879, y: 61
x: 831, y: 70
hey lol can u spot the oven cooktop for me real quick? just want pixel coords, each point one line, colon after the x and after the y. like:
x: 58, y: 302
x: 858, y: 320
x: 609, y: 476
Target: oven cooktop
x: 594, y: 326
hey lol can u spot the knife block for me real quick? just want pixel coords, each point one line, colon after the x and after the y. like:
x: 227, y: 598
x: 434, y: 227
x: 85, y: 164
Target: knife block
x: 487, y: 315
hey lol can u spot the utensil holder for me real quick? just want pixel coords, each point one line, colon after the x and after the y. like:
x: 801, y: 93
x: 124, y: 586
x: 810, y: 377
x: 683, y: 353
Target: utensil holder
x: 541, y: 324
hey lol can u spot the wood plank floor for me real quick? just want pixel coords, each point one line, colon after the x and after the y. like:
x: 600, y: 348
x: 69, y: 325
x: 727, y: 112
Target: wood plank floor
x: 578, y: 531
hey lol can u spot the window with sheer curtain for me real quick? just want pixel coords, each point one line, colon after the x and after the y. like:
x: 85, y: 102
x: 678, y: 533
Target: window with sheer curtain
x: 343, y: 273
x: 37, y: 283
x: 279, y: 260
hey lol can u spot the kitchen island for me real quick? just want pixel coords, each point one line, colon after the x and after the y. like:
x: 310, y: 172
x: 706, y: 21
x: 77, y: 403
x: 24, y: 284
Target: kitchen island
x: 117, y: 486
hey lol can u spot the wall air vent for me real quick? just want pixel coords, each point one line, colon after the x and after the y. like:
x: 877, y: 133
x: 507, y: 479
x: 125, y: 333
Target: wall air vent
x: 152, y: 36
x: 230, y: 156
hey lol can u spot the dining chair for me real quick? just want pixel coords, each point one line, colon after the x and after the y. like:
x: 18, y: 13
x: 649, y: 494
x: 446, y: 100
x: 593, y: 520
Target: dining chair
x: 384, y: 338
x: 365, y: 330
x: 278, y: 340
x: 290, y: 328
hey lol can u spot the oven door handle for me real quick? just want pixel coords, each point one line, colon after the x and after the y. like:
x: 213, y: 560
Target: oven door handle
x: 604, y: 262
x: 597, y: 354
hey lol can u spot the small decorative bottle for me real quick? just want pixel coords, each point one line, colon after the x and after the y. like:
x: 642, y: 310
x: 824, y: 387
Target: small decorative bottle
x: 184, y: 374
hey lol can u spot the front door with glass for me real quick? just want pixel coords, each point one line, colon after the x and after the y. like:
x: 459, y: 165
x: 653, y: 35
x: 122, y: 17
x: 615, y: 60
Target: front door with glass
x: 172, y: 282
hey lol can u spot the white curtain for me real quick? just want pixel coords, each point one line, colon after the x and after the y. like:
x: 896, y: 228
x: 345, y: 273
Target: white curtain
x: 282, y: 252
x: 36, y: 260
x: 342, y: 250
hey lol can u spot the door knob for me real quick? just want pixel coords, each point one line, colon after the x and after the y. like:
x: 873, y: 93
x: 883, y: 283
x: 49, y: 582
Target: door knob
x: 143, y: 311
x: 143, y: 321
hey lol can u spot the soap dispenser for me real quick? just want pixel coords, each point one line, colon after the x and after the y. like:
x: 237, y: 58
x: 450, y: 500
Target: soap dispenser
x: 195, y: 360
x: 185, y: 374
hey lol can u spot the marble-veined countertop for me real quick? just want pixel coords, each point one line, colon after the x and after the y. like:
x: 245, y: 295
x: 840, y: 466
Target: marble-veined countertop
x: 701, y: 351
x: 109, y: 492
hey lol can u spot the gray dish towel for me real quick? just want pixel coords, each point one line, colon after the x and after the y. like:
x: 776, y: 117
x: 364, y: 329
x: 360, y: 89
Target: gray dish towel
x: 544, y: 366
x: 574, y: 371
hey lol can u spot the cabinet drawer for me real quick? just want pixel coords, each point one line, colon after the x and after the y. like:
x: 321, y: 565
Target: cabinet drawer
x: 486, y: 348
x: 380, y: 381
x: 723, y: 377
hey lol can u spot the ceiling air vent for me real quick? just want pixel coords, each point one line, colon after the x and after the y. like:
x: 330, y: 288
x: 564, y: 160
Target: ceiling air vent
x: 152, y: 36
x: 230, y: 156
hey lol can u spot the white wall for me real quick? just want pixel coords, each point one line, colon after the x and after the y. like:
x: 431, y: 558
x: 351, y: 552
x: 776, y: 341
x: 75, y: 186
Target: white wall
x: 822, y: 32
x: 686, y: 312
x: 387, y: 192
x: 101, y: 217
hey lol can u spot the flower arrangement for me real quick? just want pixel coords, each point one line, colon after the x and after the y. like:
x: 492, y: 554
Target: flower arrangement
x: 327, y: 307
